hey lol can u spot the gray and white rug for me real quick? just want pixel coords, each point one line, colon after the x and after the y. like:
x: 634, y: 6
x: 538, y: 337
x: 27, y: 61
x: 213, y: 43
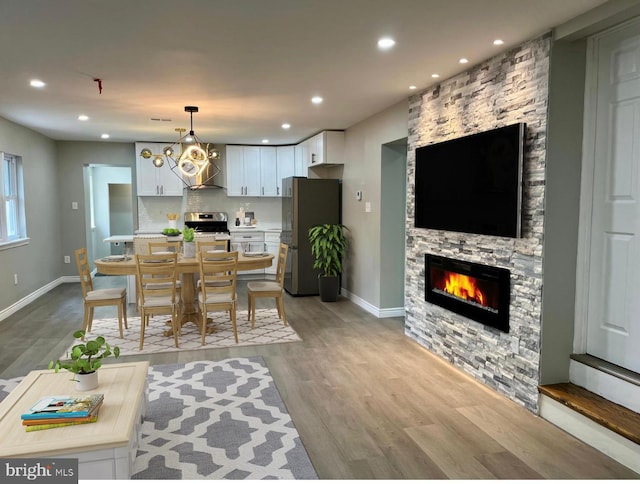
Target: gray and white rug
x: 268, y: 329
x: 215, y: 420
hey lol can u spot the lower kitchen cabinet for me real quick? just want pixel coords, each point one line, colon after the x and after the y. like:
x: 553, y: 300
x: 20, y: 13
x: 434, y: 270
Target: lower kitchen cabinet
x: 272, y: 244
x: 248, y: 241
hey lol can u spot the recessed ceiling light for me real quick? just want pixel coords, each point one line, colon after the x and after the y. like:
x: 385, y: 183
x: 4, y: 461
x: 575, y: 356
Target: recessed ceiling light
x: 104, y: 136
x: 435, y: 76
x: 265, y: 140
x: 316, y: 100
x: 83, y: 117
x: 386, y: 43
x: 463, y: 61
x: 498, y: 42
x: 286, y: 125
x: 37, y: 83
x: 412, y: 87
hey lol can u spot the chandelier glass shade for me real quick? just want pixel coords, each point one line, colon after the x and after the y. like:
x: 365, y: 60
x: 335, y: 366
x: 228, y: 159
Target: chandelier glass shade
x: 188, y: 157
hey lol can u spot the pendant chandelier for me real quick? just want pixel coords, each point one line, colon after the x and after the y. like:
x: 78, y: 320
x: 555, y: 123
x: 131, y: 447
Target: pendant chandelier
x: 188, y: 157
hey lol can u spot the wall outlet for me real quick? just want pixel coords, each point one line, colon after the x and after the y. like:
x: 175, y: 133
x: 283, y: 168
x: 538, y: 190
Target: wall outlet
x: 15, y: 279
x: 67, y: 259
x: 359, y: 195
x: 74, y: 205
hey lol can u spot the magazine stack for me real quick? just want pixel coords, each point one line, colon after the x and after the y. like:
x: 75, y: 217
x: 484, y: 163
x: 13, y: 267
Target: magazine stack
x: 62, y: 411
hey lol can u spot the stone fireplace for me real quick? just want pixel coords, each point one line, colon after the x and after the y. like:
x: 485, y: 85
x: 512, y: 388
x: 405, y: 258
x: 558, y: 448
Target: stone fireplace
x: 505, y: 354
x: 477, y: 291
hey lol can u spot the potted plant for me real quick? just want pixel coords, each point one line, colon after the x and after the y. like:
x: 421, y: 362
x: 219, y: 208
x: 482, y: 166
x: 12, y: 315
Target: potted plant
x: 188, y: 245
x: 85, y: 359
x: 328, y: 246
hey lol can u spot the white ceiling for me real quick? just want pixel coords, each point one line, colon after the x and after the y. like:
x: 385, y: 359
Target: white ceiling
x: 249, y: 65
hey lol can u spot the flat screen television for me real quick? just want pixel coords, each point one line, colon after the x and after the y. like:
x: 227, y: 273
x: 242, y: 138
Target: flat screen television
x: 472, y: 184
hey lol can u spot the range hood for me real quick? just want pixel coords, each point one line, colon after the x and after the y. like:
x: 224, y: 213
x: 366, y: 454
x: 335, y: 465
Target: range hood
x: 211, y: 177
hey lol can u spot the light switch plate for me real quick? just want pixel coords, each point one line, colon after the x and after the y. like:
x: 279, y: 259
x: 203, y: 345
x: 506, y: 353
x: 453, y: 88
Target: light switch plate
x: 367, y: 207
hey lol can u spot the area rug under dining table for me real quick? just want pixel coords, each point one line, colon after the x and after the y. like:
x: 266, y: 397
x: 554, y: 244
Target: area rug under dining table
x: 268, y: 329
x: 215, y: 420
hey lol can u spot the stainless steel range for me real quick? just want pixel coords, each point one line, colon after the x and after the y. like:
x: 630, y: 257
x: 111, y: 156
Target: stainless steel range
x: 208, y: 222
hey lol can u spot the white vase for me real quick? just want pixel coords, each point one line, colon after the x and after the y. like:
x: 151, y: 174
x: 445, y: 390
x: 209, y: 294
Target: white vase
x: 86, y: 381
x: 189, y: 250
x: 173, y: 224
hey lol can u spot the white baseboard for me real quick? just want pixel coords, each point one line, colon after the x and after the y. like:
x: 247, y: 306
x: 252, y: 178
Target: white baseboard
x: 591, y: 433
x: 608, y: 386
x: 370, y: 308
x: 6, y: 312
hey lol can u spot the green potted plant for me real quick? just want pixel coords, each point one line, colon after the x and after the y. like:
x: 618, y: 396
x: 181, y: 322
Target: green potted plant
x: 328, y: 246
x: 188, y: 245
x: 85, y: 359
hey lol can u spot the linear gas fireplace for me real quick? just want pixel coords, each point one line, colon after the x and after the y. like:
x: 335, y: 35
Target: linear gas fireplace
x: 473, y: 290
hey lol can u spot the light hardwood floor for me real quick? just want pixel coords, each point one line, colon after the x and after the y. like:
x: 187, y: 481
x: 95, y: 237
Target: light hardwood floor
x: 367, y: 401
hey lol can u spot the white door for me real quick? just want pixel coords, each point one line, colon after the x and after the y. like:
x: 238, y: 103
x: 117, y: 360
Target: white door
x: 613, y: 316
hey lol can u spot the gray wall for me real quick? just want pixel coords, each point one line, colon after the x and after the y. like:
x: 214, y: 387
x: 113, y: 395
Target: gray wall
x: 562, y: 206
x: 72, y: 157
x: 392, y: 229
x: 363, y: 171
x: 40, y: 262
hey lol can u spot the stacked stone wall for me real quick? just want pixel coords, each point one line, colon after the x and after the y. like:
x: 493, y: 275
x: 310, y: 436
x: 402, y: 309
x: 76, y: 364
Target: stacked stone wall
x: 509, y: 88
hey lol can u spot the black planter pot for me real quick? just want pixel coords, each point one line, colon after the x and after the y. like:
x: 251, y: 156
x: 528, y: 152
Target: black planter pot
x: 329, y: 288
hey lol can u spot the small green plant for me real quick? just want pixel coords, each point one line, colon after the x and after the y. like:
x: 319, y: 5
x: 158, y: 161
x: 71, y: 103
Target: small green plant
x: 86, y: 357
x: 188, y: 234
x: 328, y: 246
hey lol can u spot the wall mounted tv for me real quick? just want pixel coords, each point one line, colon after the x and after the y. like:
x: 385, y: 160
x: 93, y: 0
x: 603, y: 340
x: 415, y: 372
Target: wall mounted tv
x: 472, y: 184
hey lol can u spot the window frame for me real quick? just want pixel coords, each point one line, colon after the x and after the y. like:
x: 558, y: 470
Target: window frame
x: 12, y: 214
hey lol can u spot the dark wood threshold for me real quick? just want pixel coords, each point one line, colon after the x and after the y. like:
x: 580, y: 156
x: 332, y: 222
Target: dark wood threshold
x: 615, y: 417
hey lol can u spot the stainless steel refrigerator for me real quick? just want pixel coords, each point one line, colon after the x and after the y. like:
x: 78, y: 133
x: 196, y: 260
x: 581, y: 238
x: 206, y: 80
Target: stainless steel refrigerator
x: 306, y: 202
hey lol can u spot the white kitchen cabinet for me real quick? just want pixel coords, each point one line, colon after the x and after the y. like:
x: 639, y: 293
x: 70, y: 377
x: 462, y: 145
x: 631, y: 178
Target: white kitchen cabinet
x: 243, y: 171
x: 272, y: 245
x: 153, y: 181
x: 268, y: 171
x: 300, y: 165
x: 248, y: 241
x: 286, y: 165
x: 326, y: 148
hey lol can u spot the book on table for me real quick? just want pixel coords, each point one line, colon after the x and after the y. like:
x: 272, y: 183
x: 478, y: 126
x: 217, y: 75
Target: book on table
x: 66, y: 406
x: 53, y: 423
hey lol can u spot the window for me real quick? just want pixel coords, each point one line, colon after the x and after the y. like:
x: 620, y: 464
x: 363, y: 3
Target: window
x: 12, y: 216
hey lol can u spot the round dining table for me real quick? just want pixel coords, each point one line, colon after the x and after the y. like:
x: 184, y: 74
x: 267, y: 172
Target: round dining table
x: 187, y: 268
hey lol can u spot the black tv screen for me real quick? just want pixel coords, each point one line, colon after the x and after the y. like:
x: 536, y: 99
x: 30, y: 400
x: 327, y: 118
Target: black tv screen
x: 472, y: 184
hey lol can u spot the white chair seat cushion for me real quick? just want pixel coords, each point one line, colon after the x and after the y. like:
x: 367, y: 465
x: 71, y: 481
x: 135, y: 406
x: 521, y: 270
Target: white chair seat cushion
x: 157, y: 301
x: 263, y: 286
x: 102, y: 294
x: 216, y: 298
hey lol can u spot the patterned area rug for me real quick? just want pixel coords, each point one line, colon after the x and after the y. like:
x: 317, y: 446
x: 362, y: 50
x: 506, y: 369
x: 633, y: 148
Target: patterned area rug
x: 215, y: 420
x: 268, y: 329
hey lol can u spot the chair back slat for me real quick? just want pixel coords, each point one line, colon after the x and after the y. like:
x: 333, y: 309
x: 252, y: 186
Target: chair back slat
x: 211, y: 244
x: 173, y: 246
x: 84, y: 271
x: 283, y: 251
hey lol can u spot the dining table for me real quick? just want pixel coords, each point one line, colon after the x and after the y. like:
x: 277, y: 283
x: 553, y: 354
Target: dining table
x: 188, y: 268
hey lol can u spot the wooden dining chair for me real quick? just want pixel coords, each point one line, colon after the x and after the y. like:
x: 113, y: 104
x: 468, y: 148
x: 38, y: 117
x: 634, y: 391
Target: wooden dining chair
x: 211, y: 244
x: 156, y: 281
x: 141, y: 242
x: 115, y: 296
x: 268, y: 288
x: 217, y: 288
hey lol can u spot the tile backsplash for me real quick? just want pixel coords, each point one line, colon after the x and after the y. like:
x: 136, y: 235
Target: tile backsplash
x: 152, y: 211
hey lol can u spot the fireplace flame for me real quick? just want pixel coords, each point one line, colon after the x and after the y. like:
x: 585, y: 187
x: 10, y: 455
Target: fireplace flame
x: 463, y: 287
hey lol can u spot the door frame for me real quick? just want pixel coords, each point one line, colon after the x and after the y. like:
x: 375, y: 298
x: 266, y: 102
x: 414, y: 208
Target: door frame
x: 583, y: 266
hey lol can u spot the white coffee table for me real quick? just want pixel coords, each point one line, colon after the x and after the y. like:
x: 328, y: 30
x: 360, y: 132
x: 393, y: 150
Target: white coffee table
x: 105, y: 449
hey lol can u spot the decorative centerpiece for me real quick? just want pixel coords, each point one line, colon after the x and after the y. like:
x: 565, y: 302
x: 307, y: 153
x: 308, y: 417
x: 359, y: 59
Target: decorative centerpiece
x: 85, y: 359
x: 328, y: 246
x: 188, y: 245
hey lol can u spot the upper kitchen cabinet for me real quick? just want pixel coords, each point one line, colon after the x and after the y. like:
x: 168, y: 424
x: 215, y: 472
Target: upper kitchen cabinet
x: 243, y: 171
x: 269, y: 171
x: 325, y: 148
x: 286, y: 165
x: 299, y: 161
x: 153, y: 181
